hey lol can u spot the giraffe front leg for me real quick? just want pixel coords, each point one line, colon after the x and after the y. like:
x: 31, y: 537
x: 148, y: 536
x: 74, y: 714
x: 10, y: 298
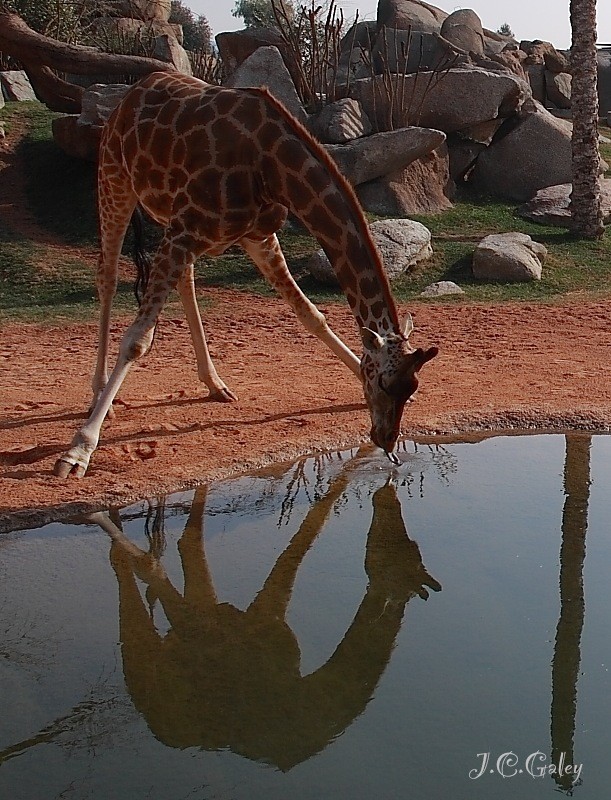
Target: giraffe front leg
x: 205, y: 367
x: 116, y: 203
x: 136, y: 341
x: 269, y: 259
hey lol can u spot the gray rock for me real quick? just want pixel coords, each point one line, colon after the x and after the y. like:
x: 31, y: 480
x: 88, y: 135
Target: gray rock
x: 168, y: 49
x: 236, y: 46
x: 265, y: 67
x: 2, y: 131
x: 495, y: 43
x: 131, y: 28
x: 463, y: 28
x: 79, y: 135
x: 550, y: 206
x: 482, y: 132
x: 441, y: 289
x: 341, y: 121
x: 352, y: 64
x: 360, y: 35
x: 457, y: 99
x: 365, y: 159
x: 556, y: 61
x: 2, y: 101
x: 99, y: 101
x: 402, y: 244
x: 603, y: 56
x: 463, y: 155
x: 141, y: 9
x: 414, y: 14
x: 78, y: 141
x: 16, y: 85
x: 558, y: 88
x: 409, y: 51
x: 508, y: 257
x: 540, y: 52
x: 424, y: 187
x: 536, y: 78
x: 536, y: 153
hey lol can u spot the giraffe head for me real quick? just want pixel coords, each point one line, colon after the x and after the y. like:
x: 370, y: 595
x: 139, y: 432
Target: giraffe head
x: 389, y: 369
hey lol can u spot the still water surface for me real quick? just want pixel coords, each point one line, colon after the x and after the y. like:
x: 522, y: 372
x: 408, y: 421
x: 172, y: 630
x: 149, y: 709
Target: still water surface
x: 268, y: 637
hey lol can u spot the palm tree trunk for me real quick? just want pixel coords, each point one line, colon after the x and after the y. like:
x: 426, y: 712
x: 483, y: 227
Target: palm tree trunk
x: 586, y: 208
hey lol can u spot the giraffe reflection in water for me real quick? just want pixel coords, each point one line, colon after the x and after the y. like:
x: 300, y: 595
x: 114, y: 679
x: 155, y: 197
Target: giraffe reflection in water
x: 229, y: 678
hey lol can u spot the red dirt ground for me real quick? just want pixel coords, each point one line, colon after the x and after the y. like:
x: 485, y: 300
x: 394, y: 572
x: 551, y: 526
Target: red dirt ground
x: 518, y: 366
x: 509, y: 366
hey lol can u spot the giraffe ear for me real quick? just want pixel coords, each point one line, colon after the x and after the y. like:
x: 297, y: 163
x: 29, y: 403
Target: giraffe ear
x: 408, y: 325
x: 372, y: 341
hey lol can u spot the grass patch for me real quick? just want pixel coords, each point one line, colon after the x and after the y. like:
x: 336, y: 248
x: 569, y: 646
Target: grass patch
x: 60, y: 189
x: 61, y: 196
x: 34, y: 289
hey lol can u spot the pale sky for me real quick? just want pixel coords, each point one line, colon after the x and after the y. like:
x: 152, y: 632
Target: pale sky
x: 529, y: 19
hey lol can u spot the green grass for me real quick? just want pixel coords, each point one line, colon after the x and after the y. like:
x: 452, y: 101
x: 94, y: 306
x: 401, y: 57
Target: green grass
x: 61, y: 196
x: 61, y: 189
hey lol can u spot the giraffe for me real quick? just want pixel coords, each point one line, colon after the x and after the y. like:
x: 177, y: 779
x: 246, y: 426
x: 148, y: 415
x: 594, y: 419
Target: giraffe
x: 216, y: 167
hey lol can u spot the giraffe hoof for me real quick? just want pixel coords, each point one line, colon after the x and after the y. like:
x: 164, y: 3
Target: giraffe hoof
x: 64, y: 467
x: 223, y: 395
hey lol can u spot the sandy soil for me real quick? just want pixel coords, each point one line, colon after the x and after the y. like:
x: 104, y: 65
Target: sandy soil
x: 512, y: 366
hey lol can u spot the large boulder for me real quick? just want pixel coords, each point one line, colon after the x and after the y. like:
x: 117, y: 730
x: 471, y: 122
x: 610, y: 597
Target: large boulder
x: 360, y: 35
x: 402, y: 243
x: 384, y: 153
x: 79, y: 135
x: 551, y: 206
x: 424, y: 187
x: 497, y: 42
x: 410, y: 51
x: 414, y: 14
x: 341, y: 121
x: 508, y: 257
x: 463, y: 155
x: 140, y: 9
x: 265, y: 67
x: 99, y: 101
x: 558, y: 88
x: 352, y: 64
x: 536, y: 78
x: 450, y: 102
x: 603, y: 56
x: 236, y: 46
x: 441, y: 289
x: 533, y: 154
x: 463, y: 28
x: 168, y: 49
x: 78, y: 141
x: 540, y: 52
x: 130, y: 28
x: 15, y: 85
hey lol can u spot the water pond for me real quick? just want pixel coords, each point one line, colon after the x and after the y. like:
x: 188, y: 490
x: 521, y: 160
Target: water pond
x: 268, y: 637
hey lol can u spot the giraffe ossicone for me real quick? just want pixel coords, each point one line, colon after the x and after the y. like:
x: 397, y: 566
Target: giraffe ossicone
x: 217, y: 167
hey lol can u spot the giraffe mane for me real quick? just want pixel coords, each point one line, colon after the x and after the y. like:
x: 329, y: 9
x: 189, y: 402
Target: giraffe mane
x: 344, y: 185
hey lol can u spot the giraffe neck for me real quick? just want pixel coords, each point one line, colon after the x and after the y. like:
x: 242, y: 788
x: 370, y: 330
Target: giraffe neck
x: 301, y: 175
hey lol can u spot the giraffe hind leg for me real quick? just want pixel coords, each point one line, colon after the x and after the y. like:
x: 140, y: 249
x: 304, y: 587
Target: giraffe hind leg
x: 116, y: 204
x: 205, y: 367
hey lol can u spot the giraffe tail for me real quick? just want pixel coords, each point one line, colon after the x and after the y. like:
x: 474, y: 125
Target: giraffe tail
x: 141, y: 258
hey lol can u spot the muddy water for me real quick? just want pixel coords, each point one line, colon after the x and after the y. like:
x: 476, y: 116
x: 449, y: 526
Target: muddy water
x: 269, y: 637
